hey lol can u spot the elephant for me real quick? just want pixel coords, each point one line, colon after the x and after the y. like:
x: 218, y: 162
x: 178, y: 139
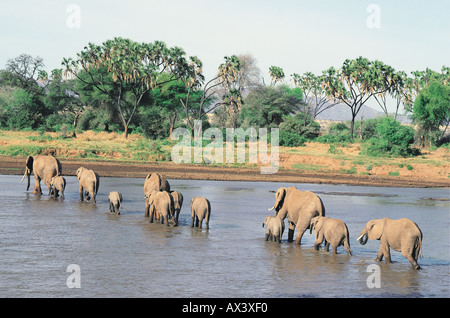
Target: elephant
x: 44, y: 168
x: 275, y: 228
x: 160, y: 205
x: 300, y: 207
x: 200, y: 209
x: 89, y: 181
x: 58, y: 183
x: 401, y: 235
x: 334, y: 231
x: 178, y: 203
x: 157, y: 182
x: 115, y: 200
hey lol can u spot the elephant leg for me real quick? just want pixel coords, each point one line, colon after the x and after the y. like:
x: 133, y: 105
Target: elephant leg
x: 196, y: 220
x: 111, y: 207
x: 319, y: 240
x: 334, y: 247
x: 266, y: 237
x: 409, y: 256
x: 291, y: 232
x: 81, y: 193
x: 327, y: 246
x: 347, y: 246
x: 301, y: 228
x: 117, y: 205
x: 166, y: 217
x: 37, y: 185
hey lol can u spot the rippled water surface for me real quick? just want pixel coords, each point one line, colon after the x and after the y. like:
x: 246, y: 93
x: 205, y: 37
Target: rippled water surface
x: 125, y: 256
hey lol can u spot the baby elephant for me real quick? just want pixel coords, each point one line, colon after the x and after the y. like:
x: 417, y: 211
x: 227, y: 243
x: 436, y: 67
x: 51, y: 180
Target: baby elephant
x: 200, y: 209
x: 334, y: 231
x: 275, y: 228
x: 177, y: 204
x: 89, y: 182
x: 401, y: 235
x: 57, y: 183
x: 115, y: 200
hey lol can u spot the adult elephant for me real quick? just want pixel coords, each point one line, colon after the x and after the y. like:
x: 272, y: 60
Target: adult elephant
x: 155, y: 182
x: 159, y: 204
x: 300, y: 207
x: 44, y: 168
x: 89, y: 182
x: 401, y: 235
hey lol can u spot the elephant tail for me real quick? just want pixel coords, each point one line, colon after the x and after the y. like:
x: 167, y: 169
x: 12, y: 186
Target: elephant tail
x: 419, y: 247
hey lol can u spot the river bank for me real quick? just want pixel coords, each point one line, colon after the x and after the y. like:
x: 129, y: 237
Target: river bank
x: 113, y: 156
x: 15, y: 166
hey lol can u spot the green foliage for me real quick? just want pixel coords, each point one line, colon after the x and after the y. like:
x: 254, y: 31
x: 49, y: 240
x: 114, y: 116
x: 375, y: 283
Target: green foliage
x: 431, y: 110
x: 391, y: 139
x: 295, y: 130
x: 266, y: 106
x: 20, y: 109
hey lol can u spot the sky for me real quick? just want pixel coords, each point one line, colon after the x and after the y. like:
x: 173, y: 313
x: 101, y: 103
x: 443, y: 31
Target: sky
x: 298, y: 36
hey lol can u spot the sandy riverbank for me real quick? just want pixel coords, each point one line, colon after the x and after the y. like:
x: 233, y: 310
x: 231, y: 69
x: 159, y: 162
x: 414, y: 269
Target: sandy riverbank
x: 15, y: 166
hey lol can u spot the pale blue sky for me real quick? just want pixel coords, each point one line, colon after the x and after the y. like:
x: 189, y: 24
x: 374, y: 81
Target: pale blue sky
x: 298, y: 36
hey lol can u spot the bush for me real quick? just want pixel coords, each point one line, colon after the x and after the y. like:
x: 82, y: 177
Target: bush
x: 290, y: 139
x: 391, y: 139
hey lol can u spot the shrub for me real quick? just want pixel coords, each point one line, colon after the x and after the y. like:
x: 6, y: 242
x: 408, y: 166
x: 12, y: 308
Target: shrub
x: 391, y: 139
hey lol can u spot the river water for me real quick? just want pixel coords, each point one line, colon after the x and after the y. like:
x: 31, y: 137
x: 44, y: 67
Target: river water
x: 125, y: 256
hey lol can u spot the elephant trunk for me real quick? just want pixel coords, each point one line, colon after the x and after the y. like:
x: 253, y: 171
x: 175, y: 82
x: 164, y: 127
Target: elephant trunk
x: 362, y: 238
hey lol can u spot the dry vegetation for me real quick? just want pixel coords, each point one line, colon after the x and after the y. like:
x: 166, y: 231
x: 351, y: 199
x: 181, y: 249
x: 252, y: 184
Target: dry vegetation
x: 313, y: 158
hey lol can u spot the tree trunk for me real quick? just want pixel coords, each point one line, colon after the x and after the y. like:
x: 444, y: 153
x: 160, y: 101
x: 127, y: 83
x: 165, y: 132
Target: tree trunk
x: 126, y: 131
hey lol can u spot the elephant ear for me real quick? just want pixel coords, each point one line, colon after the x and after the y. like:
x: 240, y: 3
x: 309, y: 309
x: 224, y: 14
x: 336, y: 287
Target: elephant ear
x: 376, y: 228
x: 29, y: 163
x: 279, y: 198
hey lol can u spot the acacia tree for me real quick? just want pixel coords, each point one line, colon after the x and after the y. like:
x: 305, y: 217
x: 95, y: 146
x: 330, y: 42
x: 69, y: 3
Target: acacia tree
x: 314, y: 94
x: 357, y: 81
x: 133, y: 67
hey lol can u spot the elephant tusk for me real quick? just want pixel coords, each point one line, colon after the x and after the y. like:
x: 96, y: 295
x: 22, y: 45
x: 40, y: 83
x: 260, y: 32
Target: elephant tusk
x: 360, y: 237
x: 272, y: 208
x: 24, y: 175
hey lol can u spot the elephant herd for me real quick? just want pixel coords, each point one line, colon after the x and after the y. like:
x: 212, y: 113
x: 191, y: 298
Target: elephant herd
x: 304, y: 210
x: 160, y: 202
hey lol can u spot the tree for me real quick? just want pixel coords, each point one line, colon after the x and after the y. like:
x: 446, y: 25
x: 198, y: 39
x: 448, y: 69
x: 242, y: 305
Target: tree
x: 396, y: 91
x: 419, y: 80
x: 431, y: 110
x: 266, y: 106
x: 219, y: 91
x: 133, y: 67
x: 24, y: 71
x: 276, y: 74
x: 357, y: 81
x: 61, y: 96
x: 314, y: 95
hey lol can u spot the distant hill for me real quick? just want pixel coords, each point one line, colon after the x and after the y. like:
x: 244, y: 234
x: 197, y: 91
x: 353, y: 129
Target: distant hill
x: 342, y: 112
